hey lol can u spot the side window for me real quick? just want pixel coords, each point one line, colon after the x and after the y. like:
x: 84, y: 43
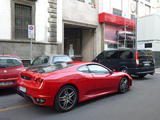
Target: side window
x: 111, y: 55
x: 83, y: 69
x: 97, y: 69
x: 126, y: 54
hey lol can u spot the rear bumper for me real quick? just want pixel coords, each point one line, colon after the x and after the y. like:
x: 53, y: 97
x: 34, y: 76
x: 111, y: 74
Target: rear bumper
x: 8, y: 83
x: 29, y: 96
x: 142, y: 71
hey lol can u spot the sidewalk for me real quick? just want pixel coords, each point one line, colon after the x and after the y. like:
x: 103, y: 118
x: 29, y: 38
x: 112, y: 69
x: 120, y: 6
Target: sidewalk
x: 157, y: 70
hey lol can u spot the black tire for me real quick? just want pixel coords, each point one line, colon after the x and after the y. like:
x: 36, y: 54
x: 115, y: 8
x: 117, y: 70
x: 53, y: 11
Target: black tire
x: 124, y: 85
x: 141, y: 76
x: 66, y: 99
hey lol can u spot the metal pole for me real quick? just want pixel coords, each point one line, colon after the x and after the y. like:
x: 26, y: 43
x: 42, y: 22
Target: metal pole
x: 31, y: 51
x: 136, y: 24
x: 125, y: 35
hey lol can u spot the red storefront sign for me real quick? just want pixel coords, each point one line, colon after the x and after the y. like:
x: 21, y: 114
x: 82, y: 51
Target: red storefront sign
x: 110, y: 18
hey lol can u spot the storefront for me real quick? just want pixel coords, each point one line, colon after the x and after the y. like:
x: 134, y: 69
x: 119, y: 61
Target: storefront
x: 119, y: 32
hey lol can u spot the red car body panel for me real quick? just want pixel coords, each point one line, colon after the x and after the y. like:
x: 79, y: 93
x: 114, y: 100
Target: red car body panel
x: 10, y: 74
x: 88, y: 85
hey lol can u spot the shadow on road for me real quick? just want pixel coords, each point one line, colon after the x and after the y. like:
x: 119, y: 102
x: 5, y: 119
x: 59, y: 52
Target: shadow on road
x: 7, y: 91
x: 148, y: 77
x: 45, y: 111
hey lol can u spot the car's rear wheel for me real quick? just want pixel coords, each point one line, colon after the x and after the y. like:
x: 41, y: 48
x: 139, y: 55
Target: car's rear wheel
x: 124, y: 85
x: 66, y: 98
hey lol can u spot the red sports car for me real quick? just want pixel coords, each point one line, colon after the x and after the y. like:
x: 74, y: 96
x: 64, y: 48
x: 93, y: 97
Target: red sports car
x: 64, y: 85
x: 10, y: 67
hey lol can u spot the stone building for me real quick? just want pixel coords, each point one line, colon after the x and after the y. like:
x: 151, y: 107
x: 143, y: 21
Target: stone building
x: 58, y: 24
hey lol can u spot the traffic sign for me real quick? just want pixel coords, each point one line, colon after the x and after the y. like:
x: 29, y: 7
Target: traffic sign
x: 31, y: 31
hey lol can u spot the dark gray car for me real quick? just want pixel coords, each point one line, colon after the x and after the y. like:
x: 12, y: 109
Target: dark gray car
x: 47, y: 60
x: 134, y: 62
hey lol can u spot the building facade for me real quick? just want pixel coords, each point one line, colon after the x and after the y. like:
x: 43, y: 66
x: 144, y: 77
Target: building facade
x: 16, y: 15
x: 80, y: 28
x: 118, y: 21
x: 59, y: 25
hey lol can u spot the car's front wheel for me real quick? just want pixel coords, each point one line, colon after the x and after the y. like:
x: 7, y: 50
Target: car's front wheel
x: 124, y: 85
x: 66, y: 98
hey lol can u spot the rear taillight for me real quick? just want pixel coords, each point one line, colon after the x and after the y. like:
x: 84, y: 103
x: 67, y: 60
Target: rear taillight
x: 137, y: 59
x: 38, y: 79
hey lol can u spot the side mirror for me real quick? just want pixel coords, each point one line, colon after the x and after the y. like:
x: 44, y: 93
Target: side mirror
x: 112, y: 71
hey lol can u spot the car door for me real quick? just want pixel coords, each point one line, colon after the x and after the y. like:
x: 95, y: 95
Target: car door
x: 87, y: 83
x: 102, y: 78
x: 126, y: 59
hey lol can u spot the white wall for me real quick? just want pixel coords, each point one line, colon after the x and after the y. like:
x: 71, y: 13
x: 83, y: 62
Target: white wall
x: 80, y: 12
x: 149, y: 28
x: 155, y: 45
x: 41, y: 20
x: 5, y: 19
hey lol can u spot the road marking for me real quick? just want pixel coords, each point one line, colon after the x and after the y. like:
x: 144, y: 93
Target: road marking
x: 14, y: 107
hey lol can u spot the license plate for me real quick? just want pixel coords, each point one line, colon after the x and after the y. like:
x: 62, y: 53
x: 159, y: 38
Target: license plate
x: 23, y: 89
x: 146, y: 64
x: 6, y: 83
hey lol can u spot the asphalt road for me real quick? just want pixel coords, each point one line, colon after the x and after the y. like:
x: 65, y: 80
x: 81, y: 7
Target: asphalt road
x: 142, y: 102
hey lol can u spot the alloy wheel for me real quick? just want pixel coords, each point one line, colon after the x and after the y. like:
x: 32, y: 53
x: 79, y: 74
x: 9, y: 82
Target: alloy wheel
x: 66, y: 99
x: 124, y: 85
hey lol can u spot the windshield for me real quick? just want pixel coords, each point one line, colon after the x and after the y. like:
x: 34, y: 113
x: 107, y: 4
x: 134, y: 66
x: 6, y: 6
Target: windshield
x: 144, y: 53
x: 9, y: 62
x: 53, y: 68
x: 41, y: 60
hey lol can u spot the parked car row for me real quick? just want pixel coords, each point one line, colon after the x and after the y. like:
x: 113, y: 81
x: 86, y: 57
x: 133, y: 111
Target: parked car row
x: 58, y: 81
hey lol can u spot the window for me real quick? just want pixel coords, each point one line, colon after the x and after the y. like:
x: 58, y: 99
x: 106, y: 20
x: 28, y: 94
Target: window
x: 22, y: 15
x: 111, y: 54
x: 148, y: 45
x: 41, y: 60
x: 117, y: 12
x: 53, y: 68
x: 97, y: 69
x: 91, y: 1
x: 148, y: 0
x: 133, y: 17
x: 9, y: 62
x: 126, y: 55
x: 59, y: 59
x: 147, y: 10
x: 83, y: 69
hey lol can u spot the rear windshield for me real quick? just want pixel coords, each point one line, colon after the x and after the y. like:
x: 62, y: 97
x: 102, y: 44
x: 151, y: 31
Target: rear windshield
x: 53, y: 68
x: 59, y: 59
x: 144, y: 53
x: 9, y: 62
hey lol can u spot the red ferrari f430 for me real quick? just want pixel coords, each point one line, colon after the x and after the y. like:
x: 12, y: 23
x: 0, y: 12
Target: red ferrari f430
x: 66, y: 84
